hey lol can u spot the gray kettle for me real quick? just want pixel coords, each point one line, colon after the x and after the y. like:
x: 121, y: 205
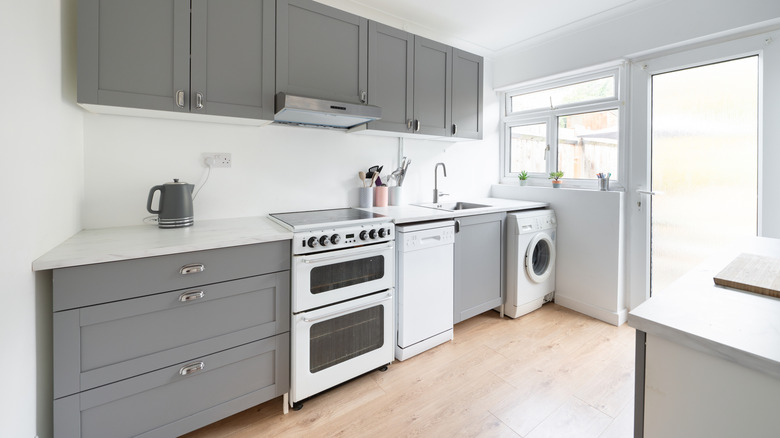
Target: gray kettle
x: 175, y: 206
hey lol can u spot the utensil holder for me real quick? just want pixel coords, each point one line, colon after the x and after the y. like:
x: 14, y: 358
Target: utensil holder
x: 365, y: 197
x: 395, y: 195
x: 604, y: 184
x: 380, y: 196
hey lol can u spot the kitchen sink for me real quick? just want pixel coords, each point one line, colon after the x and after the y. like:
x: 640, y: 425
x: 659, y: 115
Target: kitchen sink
x: 453, y: 206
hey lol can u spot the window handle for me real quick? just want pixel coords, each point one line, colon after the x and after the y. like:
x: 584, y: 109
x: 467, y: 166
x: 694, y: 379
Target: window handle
x: 546, y: 152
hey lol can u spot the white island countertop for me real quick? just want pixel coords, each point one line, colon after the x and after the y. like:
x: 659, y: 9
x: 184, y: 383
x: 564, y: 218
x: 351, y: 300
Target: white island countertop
x: 731, y: 324
x: 124, y: 243
x: 415, y: 213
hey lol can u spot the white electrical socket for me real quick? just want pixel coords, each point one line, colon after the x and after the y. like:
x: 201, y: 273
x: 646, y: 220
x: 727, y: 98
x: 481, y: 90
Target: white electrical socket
x: 217, y: 159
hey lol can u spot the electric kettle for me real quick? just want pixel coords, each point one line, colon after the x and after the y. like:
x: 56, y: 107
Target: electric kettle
x: 175, y: 207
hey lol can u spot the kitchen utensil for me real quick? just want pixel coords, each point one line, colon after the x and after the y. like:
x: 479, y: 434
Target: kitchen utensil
x: 372, y: 170
x: 404, y: 165
x: 373, y: 179
x: 362, y: 176
x: 174, y: 209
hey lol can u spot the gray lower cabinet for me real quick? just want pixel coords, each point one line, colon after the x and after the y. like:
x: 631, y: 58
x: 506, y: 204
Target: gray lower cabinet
x: 467, y: 78
x: 478, y: 264
x: 321, y: 52
x: 202, y: 56
x: 154, y: 362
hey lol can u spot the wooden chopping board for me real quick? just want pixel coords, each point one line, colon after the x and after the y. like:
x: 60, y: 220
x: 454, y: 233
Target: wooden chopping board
x: 752, y: 273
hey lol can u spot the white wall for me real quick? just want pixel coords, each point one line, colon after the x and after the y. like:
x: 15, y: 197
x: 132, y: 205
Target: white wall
x: 662, y: 24
x: 275, y: 168
x: 41, y: 184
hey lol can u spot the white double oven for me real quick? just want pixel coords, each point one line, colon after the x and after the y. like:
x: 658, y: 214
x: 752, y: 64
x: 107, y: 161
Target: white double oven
x: 343, y: 274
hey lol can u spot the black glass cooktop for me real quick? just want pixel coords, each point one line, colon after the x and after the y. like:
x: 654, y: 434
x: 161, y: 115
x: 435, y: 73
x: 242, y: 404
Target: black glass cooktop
x: 300, y: 220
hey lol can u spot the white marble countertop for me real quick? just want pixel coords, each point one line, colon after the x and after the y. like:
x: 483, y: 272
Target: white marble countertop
x: 738, y: 326
x: 123, y: 243
x: 414, y: 213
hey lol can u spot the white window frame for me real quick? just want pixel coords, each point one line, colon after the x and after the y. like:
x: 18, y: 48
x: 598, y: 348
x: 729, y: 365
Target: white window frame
x: 550, y: 116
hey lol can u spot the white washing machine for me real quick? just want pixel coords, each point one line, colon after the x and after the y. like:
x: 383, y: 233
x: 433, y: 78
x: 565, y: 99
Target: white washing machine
x: 530, y: 261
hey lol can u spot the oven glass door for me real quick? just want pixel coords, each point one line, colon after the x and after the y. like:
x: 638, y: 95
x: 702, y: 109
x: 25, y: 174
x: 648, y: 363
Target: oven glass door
x: 336, y: 343
x: 330, y: 277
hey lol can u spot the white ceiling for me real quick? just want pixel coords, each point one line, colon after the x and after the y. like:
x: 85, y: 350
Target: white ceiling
x: 494, y: 27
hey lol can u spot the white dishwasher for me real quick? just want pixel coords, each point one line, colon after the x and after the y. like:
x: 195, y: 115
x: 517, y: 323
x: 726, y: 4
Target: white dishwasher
x: 424, y: 286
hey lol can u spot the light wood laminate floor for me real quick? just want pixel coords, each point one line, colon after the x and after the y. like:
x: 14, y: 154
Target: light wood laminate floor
x: 551, y: 373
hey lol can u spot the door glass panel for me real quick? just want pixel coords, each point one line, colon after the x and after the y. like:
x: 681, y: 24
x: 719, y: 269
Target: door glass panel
x: 704, y: 160
x: 541, y: 257
x: 340, y: 275
x: 346, y: 337
x: 528, y: 148
x: 588, y: 144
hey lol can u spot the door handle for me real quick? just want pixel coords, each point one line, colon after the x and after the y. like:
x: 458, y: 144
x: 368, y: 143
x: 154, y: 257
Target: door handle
x: 192, y: 269
x: 348, y: 311
x: 199, y: 100
x: 417, y: 125
x: 457, y: 226
x: 191, y: 368
x: 454, y: 129
x: 179, y: 98
x: 193, y: 295
x: 650, y: 192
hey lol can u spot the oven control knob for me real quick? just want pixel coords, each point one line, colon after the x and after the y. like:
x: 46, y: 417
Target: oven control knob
x: 372, y: 234
x: 363, y: 235
x: 324, y: 241
x: 335, y: 239
x: 312, y: 242
x: 382, y: 232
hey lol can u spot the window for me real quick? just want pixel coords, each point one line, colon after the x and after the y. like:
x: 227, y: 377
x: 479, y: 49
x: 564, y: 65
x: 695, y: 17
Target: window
x: 570, y: 125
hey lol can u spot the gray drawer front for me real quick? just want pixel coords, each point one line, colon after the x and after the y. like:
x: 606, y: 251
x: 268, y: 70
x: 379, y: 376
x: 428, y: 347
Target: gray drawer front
x: 101, y: 344
x: 88, y: 285
x: 166, y: 404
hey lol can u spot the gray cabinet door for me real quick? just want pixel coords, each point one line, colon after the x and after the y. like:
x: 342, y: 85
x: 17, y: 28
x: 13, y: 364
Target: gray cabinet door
x: 232, y: 58
x: 467, y: 73
x: 134, y: 53
x: 390, y: 76
x: 320, y: 51
x: 478, y: 285
x: 432, y: 84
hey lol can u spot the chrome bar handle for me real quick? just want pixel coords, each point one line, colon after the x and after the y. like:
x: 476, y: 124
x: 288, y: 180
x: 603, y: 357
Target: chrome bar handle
x: 371, y: 250
x: 417, y: 125
x: 199, y: 100
x: 193, y: 295
x: 363, y: 96
x: 191, y: 368
x: 192, y: 269
x: 454, y: 129
x: 179, y: 98
x: 348, y: 311
x: 409, y: 124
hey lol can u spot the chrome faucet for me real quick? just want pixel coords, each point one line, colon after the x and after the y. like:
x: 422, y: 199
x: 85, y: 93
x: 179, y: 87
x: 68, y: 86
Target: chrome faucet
x: 436, y: 193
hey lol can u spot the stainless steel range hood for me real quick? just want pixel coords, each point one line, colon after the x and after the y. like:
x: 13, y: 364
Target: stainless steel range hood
x: 307, y: 111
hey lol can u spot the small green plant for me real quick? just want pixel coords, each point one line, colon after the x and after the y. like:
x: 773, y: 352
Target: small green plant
x: 523, y: 175
x: 555, y: 175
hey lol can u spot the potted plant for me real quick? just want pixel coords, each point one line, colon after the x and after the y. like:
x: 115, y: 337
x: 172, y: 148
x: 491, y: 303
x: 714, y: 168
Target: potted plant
x: 523, y: 177
x: 555, y: 177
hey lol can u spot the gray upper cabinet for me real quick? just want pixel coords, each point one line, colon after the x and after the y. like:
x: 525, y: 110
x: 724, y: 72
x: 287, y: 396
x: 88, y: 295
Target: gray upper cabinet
x: 478, y: 265
x: 467, y: 76
x: 432, y: 84
x: 390, y: 76
x: 321, y: 52
x: 136, y: 54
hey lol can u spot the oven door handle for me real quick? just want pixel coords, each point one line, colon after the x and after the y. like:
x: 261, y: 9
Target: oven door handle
x: 344, y: 255
x: 347, y: 311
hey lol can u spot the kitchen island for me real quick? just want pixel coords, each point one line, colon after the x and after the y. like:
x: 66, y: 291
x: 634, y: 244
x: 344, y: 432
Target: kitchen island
x: 708, y: 357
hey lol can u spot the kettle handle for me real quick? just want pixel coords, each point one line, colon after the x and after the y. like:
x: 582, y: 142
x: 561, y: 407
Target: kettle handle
x: 151, y: 195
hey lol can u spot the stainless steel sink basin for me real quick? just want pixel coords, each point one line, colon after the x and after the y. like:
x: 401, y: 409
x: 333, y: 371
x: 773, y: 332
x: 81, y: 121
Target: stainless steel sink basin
x: 453, y: 206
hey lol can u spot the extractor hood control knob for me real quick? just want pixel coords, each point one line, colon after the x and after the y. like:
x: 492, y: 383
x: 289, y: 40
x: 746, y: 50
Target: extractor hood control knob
x: 363, y: 235
x: 372, y: 234
x: 312, y: 242
x: 335, y: 239
x: 324, y: 241
x: 382, y: 232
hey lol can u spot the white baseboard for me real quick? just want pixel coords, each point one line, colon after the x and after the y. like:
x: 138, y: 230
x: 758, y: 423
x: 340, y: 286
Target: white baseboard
x: 614, y: 318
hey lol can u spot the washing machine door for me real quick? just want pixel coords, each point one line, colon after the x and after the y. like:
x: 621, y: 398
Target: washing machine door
x: 540, y: 258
